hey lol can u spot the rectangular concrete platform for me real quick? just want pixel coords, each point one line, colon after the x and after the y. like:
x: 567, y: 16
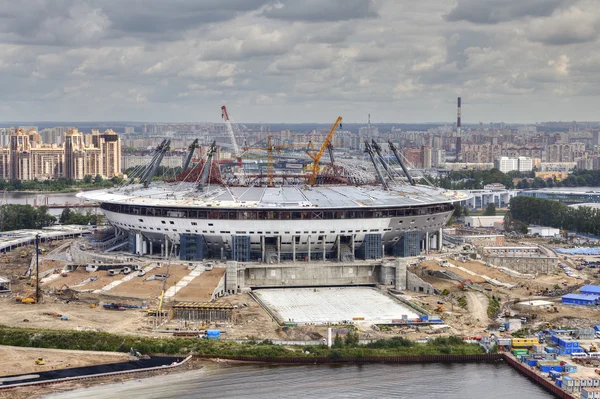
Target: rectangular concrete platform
x: 333, y: 305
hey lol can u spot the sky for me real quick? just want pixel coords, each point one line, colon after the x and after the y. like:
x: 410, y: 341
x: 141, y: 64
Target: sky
x: 300, y: 60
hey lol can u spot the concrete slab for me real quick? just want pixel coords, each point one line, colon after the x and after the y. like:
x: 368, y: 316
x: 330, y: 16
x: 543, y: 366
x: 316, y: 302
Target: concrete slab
x: 333, y: 305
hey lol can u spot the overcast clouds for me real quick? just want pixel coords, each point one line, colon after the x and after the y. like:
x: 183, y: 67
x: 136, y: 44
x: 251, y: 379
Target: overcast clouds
x: 300, y: 60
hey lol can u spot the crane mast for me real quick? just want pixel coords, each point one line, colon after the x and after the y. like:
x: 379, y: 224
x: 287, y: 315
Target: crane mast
x: 230, y: 131
x: 316, y: 156
x: 399, y: 159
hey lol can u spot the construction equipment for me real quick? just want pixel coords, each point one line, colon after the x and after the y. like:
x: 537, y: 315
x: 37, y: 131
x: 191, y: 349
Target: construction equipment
x: 191, y: 149
x: 207, y: 165
x: 439, y: 308
x: 399, y: 159
x: 507, y: 313
x: 232, y: 130
x: 593, y: 348
x: 27, y: 298
x: 23, y: 254
x: 40, y: 361
x: 270, y: 148
x: 462, y: 283
x: 316, y: 156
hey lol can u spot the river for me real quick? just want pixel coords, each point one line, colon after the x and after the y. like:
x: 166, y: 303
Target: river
x: 43, y: 198
x: 456, y: 381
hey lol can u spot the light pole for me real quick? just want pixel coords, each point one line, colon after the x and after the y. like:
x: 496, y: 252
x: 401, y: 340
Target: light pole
x: 37, y: 268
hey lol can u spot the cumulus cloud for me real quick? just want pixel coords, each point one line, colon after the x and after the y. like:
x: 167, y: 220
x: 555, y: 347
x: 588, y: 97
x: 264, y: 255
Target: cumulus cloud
x: 496, y: 11
x: 318, y: 10
x: 570, y: 26
x: 294, y: 61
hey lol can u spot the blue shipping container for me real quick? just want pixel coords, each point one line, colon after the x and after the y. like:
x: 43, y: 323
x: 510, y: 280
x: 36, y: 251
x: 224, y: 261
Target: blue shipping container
x: 531, y: 362
x: 213, y: 333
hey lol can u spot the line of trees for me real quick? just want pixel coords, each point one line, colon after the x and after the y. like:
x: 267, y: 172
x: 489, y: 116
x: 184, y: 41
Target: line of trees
x: 70, y: 217
x: 552, y: 213
x: 60, y: 184
x: 15, y: 217
x: 476, y: 179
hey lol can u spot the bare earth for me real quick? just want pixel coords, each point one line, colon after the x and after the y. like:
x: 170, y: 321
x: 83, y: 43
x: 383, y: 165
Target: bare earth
x: 15, y: 360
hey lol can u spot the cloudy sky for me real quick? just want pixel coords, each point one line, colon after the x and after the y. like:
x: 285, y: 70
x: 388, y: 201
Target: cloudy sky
x: 300, y: 60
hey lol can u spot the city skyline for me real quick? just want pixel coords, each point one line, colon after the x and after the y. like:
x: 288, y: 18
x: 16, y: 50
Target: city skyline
x: 300, y: 61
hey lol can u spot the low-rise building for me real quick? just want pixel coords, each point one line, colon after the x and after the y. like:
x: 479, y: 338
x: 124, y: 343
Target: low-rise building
x: 543, y: 231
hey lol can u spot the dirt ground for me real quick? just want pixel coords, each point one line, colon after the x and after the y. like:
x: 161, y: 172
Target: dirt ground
x: 16, y: 360
x: 139, y: 287
x: 80, y: 317
x: 202, y: 287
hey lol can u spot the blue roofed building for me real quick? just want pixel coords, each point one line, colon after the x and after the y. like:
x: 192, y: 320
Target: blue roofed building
x: 590, y: 290
x: 579, y: 299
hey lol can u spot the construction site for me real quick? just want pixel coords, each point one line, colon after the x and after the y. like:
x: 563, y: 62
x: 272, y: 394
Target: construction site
x: 383, y: 297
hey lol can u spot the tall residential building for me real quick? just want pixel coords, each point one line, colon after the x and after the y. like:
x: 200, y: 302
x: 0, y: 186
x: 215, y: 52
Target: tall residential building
x: 426, y: 157
x: 506, y: 164
x: 27, y: 157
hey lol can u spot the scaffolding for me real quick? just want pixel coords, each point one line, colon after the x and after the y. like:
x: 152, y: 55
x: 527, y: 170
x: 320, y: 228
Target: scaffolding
x: 240, y: 248
x: 202, y: 311
x: 409, y: 244
x: 192, y: 247
x: 371, y: 247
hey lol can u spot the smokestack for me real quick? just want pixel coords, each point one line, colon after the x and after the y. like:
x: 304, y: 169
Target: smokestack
x: 458, y: 118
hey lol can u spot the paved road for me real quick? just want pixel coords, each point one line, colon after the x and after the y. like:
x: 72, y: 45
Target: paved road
x: 477, y: 304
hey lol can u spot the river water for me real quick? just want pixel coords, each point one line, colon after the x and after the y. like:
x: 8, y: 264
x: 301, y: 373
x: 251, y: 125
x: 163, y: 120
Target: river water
x: 43, y: 198
x: 456, y: 381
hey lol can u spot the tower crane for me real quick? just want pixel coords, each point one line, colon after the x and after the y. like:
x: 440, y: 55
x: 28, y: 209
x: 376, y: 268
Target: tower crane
x: 270, y: 148
x: 232, y: 131
x: 316, y: 156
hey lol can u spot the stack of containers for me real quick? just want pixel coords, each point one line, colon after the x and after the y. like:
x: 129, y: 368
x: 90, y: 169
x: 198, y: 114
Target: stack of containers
x: 548, y: 365
x: 538, y: 349
x: 567, y: 346
x: 569, y: 368
x: 520, y: 352
x: 575, y: 384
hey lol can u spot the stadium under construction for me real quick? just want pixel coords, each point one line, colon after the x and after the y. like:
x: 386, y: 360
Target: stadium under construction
x: 328, y: 211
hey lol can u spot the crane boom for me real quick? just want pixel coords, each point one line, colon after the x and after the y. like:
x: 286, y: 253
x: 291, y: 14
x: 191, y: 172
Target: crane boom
x: 225, y: 116
x: 190, y: 154
x: 316, y: 157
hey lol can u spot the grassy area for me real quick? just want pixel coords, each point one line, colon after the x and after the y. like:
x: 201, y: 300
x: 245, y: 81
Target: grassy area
x: 98, y: 341
x: 493, y: 307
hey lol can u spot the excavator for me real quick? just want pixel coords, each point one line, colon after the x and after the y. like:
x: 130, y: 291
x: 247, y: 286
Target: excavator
x: 27, y: 298
x: 462, y: 283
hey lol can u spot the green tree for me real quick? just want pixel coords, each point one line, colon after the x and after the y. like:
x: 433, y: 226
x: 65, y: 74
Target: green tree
x: 14, y: 217
x: 98, y: 179
x: 65, y: 216
x: 458, y: 211
x: 87, y: 179
x: 338, y: 342
x: 490, y: 210
x: 352, y: 338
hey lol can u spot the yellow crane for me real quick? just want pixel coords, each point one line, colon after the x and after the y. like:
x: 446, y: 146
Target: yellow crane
x: 316, y: 156
x: 270, y: 148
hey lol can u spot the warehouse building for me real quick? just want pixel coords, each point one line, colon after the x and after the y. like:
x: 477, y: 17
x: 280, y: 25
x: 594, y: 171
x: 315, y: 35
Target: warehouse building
x: 579, y: 299
x: 590, y: 290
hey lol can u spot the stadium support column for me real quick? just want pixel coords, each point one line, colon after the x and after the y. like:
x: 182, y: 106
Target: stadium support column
x: 426, y: 242
x: 440, y: 240
x: 278, y: 249
x: 309, y: 248
x: 353, y: 248
x: 337, y: 244
x: 262, y: 248
x: 293, y: 248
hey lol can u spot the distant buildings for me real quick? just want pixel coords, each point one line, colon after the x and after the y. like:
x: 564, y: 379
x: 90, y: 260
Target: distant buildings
x: 521, y: 164
x: 27, y: 157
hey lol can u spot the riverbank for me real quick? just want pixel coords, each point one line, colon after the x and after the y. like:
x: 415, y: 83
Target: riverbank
x: 99, y: 341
